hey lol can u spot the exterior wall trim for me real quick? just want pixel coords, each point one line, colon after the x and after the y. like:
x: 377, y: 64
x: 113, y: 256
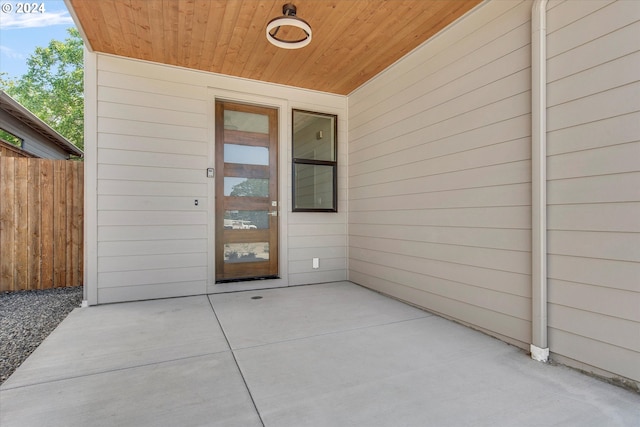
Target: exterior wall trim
x: 90, y: 180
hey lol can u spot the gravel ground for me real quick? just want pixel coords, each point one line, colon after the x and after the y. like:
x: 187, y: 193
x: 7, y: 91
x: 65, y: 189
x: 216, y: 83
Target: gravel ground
x: 27, y: 318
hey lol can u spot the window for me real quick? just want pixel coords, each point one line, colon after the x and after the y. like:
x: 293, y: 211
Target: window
x: 315, y: 169
x: 7, y: 136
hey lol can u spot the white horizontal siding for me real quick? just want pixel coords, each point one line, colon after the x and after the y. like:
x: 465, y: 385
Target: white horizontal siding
x: 151, y: 188
x: 151, y: 276
x: 494, y: 217
x: 316, y: 239
x: 152, y: 247
x: 127, y: 292
x: 440, y: 171
x: 440, y: 174
x: 497, y: 259
x: 613, y: 274
x: 150, y: 262
x: 151, y: 129
x: 491, y: 175
x: 150, y: 233
x: 496, y: 238
x: 152, y: 114
x: 517, y: 284
x: 153, y: 145
x: 180, y: 100
x: 504, y: 195
x: 165, y: 145
x: 413, y: 291
x: 149, y: 148
x: 594, y: 184
x: 415, y: 72
x: 495, y: 154
x: 618, y: 187
x: 148, y: 203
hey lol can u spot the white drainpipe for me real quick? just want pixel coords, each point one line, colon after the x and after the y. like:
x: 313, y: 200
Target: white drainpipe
x: 539, y: 346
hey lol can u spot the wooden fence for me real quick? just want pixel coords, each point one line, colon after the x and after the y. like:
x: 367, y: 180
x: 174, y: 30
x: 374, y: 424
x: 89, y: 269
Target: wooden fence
x: 41, y: 223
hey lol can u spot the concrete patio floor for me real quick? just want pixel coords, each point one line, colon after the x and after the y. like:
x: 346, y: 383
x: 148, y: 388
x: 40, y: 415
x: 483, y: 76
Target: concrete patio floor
x: 322, y: 355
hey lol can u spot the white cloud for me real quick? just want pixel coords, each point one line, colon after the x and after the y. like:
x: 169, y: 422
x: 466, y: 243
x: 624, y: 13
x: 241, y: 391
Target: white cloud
x: 10, y: 53
x: 34, y: 20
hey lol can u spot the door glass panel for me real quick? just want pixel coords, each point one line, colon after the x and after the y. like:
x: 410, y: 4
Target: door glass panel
x: 246, y: 187
x: 246, y: 252
x: 246, y: 154
x: 246, y: 220
x: 246, y: 122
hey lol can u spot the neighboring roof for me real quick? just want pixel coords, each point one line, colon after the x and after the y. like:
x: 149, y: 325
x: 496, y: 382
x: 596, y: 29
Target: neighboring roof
x: 5, y: 148
x: 18, y: 111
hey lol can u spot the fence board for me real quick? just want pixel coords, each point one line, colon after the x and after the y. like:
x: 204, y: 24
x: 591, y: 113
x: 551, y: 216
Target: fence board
x: 79, y: 204
x: 7, y: 229
x: 46, y: 224
x: 21, y: 224
x: 41, y: 223
x: 59, y: 223
x: 77, y: 226
x: 34, y: 215
x: 68, y: 197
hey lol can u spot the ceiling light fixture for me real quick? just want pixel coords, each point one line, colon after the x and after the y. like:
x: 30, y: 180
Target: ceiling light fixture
x: 290, y: 19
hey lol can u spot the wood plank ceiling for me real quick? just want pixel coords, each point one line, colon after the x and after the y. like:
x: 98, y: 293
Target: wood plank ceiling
x: 353, y: 40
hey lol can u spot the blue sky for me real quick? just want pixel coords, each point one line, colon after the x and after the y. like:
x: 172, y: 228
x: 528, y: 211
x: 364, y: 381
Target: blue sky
x: 21, y: 33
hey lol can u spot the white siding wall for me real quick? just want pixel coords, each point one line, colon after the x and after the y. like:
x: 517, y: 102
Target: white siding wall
x: 439, y: 178
x: 594, y: 183
x: 439, y: 174
x: 153, y: 144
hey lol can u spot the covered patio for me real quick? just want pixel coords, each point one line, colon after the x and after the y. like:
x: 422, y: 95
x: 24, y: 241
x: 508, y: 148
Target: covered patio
x: 332, y: 354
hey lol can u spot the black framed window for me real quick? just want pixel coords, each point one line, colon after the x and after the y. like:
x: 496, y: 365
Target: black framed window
x: 315, y: 165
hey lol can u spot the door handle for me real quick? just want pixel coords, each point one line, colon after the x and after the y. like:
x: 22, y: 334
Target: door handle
x: 273, y: 213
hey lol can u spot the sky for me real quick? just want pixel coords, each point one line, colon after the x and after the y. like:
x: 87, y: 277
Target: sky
x: 21, y: 32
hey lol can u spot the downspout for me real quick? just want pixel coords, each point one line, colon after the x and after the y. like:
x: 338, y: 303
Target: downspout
x: 539, y: 346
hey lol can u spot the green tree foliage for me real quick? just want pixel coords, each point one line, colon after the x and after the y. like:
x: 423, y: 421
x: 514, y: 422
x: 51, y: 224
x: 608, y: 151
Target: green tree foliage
x: 52, y: 88
x: 10, y: 138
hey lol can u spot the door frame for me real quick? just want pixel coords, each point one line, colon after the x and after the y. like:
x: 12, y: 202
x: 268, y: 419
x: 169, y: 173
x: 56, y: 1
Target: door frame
x: 256, y: 267
x: 282, y: 105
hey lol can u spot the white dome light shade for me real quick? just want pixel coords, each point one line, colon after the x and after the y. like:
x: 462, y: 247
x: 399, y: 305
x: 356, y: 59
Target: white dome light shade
x: 290, y: 19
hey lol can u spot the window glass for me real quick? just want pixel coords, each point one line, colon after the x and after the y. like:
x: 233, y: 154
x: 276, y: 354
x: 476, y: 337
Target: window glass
x: 313, y: 136
x: 10, y: 138
x: 313, y: 186
x: 246, y: 187
x: 314, y: 162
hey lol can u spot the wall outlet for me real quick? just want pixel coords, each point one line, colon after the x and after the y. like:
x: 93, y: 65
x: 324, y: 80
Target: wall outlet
x: 316, y: 263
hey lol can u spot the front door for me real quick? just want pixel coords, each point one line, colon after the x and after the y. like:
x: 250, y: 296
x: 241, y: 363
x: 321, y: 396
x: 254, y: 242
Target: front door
x: 246, y: 192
